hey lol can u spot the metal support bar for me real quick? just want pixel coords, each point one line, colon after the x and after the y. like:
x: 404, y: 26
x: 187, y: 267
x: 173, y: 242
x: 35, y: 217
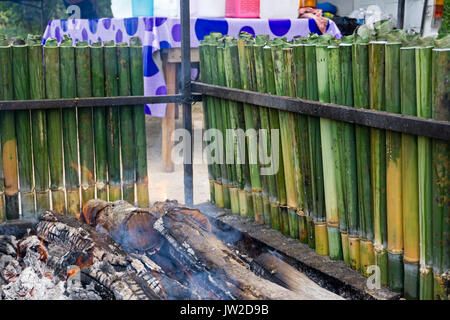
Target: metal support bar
x: 370, y: 118
x: 187, y: 100
x: 92, y: 102
x: 400, y: 14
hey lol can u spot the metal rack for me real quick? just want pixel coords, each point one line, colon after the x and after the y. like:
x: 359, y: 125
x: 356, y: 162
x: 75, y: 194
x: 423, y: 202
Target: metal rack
x: 190, y: 93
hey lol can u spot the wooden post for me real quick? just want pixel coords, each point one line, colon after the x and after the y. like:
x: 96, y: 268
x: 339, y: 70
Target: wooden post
x: 168, y: 124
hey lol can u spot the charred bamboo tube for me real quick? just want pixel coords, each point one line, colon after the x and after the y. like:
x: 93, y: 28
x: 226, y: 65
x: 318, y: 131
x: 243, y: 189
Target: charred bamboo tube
x: 54, y: 126
x: 85, y: 122
x: 303, y: 138
x: 268, y: 180
x: 281, y: 54
x: 349, y: 167
x: 220, y: 104
x: 70, y: 135
x: 318, y: 238
x: 378, y: 149
x: 424, y: 109
x: 245, y: 50
x: 360, y: 55
x: 207, y: 101
x: 338, y: 138
x: 99, y: 123
x: 8, y: 138
x: 327, y: 131
x: 232, y: 124
x: 410, y: 186
x: 112, y: 122
x: 39, y: 124
x: 394, y: 199
x: 279, y: 192
x: 23, y: 128
x: 140, y: 136
x: 126, y: 124
x: 440, y: 177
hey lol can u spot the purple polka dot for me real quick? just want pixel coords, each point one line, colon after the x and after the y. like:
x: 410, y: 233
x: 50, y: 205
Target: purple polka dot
x: 313, y: 28
x: 93, y: 23
x: 119, y: 36
x: 164, y: 45
x: 148, y: 24
x: 64, y: 25
x: 248, y: 29
x: 114, y: 27
x: 176, y: 32
x: 160, y: 21
x: 150, y: 67
x: 107, y: 23
x: 147, y: 110
x: 99, y: 39
x: 280, y: 27
x: 204, y: 27
x: 58, y: 34
x: 84, y: 35
x: 131, y: 25
x: 73, y: 21
x: 161, y: 91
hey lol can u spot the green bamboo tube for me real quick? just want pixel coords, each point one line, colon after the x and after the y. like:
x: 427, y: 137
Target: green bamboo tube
x: 231, y: 60
x: 278, y: 207
x: 394, y: 199
x: 229, y: 110
x: 38, y: 124
x: 211, y: 105
x: 251, y: 117
x: 126, y: 124
x: 205, y: 77
x: 8, y: 138
x: 280, y: 58
x: 327, y: 132
x: 112, y: 122
x: 360, y: 55
x: 99, y: 123
x: 440, y: 177
x: 317, y: 235
x: 410, y: 186
x: 70, y: 135
x: 213, y: 109
x: 54, y: 126
x: 378, y: 150
x: 140, y: 136
x: 23, y: 128
x: 268, y: 181
x: 229, y: 170
x: 294, y: 214
x: 303, y: 138
x: 220, y: 104
x: 336, y: 96
x: 424, y: 151
x: 85, y: 122
x: 349, y: 167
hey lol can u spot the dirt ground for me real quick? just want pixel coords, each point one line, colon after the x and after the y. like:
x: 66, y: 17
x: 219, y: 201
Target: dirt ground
x: 170, y: 186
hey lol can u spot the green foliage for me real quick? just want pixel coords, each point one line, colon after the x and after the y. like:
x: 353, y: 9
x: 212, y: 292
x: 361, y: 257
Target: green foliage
x: 19, y: 20
x: 445, y: 25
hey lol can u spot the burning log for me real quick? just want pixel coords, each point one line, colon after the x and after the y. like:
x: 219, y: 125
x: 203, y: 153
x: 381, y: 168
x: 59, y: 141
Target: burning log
x: 183, y: 237
x: 290, y: 278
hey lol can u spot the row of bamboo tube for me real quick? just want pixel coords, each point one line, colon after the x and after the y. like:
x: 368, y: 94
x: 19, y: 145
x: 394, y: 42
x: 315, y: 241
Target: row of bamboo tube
x: 358, y: 194
x: 61, y: 158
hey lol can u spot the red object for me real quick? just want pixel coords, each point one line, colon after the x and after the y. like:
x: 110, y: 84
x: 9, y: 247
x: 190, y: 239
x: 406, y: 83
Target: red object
x: 242, y: 9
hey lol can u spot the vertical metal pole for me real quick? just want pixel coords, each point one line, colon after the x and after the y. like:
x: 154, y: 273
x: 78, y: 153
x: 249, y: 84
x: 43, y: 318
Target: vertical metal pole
x: 187, y: 97
x: 400, y: 14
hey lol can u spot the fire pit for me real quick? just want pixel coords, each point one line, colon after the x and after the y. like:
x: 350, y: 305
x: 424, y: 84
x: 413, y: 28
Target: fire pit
x: 117, y: 251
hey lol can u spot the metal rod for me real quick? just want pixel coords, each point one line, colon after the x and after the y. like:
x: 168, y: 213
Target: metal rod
x: 91, y: 102
x: 400, y: 14
x: 370, y: 118
x: 424, y: 14
x: 187, y: 100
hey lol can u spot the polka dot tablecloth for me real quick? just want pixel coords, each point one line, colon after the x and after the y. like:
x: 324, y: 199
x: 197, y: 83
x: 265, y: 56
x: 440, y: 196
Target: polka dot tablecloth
x: 159, y: 33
